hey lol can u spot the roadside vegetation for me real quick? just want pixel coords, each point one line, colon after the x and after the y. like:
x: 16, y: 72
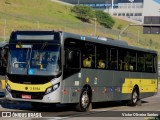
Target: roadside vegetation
x: 87, y: 14
x: 47, y: 15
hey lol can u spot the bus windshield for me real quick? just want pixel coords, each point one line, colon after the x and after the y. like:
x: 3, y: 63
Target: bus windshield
x: 35, y: 59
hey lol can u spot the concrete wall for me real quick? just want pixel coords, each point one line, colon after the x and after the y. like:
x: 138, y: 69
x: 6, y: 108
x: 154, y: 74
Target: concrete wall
x: 151, y: 8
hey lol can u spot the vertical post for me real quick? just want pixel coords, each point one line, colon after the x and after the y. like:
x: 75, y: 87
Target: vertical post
x: 95, y: 26
x: 138, y: 37
x: 130, y: 10
x: 131, y: 7
x: 106, y: 5
x: 4, y: 30
x: 112, y: 7
x: 78, y: 2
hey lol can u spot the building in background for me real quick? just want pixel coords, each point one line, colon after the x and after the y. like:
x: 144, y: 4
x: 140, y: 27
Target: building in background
x: 132, y: 10
x: 151, y: 16
x: 151, y: 8
x: 125, y: 9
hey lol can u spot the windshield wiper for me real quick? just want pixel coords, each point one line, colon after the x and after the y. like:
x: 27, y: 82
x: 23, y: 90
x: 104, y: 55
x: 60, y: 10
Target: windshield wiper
x: 43, y: 46
x: 28, y: 57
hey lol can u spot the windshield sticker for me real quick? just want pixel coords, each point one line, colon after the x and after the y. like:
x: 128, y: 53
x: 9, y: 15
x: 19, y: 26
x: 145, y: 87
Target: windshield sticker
x: 83, y: 38
x: 30, y: 71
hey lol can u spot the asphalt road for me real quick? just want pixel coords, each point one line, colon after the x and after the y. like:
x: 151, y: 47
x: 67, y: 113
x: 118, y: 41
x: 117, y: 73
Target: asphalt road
x: 149, y: 108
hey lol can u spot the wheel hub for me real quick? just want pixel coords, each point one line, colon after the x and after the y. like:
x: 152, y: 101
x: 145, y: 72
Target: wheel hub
x: 135, y: 97
x: 85, y: 100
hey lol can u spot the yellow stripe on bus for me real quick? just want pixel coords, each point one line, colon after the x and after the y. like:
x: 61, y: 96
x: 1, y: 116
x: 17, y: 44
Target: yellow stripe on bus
x: 28, y: 87
x: 145, y: 85
x: 3, y: 84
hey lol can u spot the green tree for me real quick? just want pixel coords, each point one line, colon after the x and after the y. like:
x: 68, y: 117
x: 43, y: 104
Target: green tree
x: 83, y: 12
x: 104, y: 18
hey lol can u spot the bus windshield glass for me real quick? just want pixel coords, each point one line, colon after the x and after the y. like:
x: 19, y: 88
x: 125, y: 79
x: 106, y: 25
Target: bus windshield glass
x: 35, y: 59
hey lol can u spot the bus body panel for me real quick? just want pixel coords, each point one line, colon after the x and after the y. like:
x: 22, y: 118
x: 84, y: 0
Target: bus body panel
x: 109, y: 85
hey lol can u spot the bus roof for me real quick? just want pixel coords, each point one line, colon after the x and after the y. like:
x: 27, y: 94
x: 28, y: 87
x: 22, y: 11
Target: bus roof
x: 107, y: 41
x: 101, y: 40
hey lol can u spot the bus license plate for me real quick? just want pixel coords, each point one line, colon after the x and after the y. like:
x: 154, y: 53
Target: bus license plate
x: 26, y: 96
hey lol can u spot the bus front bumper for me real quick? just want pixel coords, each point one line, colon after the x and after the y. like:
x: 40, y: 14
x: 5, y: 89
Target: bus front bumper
x: 53, y: 97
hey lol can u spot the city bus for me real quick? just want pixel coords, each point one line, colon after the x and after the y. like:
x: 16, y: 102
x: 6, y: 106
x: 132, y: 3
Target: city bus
x: 3, y: 65
x: 65, y: 68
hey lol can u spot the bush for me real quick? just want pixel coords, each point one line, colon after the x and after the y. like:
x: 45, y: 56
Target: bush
x: 83, y: 12
x: 104, y: 18
x: 86, y: 13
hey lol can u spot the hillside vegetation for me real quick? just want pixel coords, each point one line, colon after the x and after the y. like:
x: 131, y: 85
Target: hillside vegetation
x: 44, y: 14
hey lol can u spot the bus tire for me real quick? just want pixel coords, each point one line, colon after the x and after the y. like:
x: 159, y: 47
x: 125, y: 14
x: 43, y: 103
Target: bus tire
x: 134, y: 97
x: 84, y: 104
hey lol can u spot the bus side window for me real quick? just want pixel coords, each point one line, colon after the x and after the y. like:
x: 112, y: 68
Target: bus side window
x: 101, y: 64
x: 101, y: 54
x: 140, y: 63
x: 113, y: 59
x: 88, y: 56
x: 149, y: 62
x: 73, y: 59
x: 87, y: 61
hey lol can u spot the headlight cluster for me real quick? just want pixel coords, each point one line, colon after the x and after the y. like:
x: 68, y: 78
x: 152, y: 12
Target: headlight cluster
x: 52, y: 88
x: 8, y: 87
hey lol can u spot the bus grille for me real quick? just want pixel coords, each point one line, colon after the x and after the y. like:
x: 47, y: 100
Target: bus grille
x: 22, y: 79
x: 34, y: 95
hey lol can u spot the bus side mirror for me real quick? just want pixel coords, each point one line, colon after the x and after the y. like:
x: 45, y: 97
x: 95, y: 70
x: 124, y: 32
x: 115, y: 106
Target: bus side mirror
x: 1, y: 56
x: 4, y: 57
x: 73, y: 59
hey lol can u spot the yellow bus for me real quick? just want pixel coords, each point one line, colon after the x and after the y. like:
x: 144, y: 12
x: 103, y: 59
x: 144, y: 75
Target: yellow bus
x: 65, y: 68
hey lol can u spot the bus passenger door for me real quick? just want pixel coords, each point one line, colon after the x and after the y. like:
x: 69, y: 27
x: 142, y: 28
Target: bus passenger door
x: 70, y: 75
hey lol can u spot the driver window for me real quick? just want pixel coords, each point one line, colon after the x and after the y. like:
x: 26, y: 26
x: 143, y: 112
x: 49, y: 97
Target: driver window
x: 88, y: 56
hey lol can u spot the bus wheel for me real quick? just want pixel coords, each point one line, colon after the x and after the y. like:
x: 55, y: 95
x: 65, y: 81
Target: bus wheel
x: 84, y: 102
x: 134, y: 97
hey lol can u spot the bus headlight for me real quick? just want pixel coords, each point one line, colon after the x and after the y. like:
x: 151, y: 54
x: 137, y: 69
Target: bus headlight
x: 49, y: 90
x: 8, y: 87
x: 52, y: 88
x: 55, y: 87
